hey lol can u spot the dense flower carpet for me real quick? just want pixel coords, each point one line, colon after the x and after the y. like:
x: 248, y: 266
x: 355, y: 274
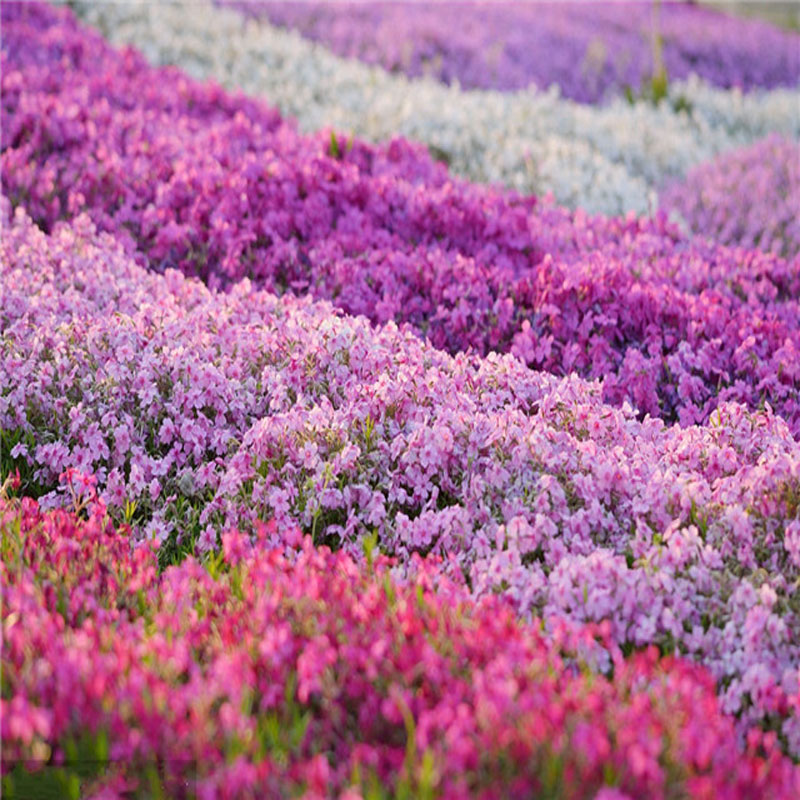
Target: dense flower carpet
x: 387, y: 412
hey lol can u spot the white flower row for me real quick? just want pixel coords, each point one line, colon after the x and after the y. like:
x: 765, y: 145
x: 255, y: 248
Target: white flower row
x: 610, y: 159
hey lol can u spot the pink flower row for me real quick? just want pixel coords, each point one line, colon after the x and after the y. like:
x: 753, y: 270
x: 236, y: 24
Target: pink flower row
x: 264, y: 676
x: 216, y: 185
x: 749, y: 197
x: 196, y: 410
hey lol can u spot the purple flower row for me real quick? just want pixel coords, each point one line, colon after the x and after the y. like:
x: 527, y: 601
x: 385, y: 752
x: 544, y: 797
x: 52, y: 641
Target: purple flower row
x: 269, y: 677
x: 218, y: 186
x: 196, y: 410
x: 589, y: 50
x: 748, y: 197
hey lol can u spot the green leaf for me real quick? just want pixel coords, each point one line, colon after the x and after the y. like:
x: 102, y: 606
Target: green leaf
x: 334, y: 150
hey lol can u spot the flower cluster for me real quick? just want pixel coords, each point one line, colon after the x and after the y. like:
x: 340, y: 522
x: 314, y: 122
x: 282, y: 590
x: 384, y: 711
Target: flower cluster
x: 219, y: 187
x: 263, y: 676
x: 593, y: 50
x: 611, y: 159
x: 747, y: 197
x: 196, y: 410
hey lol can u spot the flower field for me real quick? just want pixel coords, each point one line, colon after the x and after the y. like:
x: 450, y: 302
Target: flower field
x: 387, y: 412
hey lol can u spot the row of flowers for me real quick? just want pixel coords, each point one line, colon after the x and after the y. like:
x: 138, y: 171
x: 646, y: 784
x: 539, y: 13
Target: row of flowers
x: 262, y: 676
x: 611, y: 159
x: 748, y: 197
x: 197, y: 411
x: 589, y: 51
x: 219, y: 186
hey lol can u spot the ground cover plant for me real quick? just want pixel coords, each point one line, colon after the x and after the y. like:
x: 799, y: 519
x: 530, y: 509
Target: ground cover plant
x: 612, y: 158
x: 595, y: 49
x: 748, y: 197
x: 224, y: 190
x: 268, y: 676
x: 328, y: 474
x: 197, y: 411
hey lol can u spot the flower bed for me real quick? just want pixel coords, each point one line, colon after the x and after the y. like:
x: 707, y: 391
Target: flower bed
x: 589, y: 51
x: 542, y: 584
x: 323, y: 677
x: 611, y: 160
x: 217, y: 186
x: 197, y: 411
x: 748, y: 197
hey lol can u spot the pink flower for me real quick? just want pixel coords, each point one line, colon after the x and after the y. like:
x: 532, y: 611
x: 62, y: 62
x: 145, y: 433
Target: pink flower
x: 207, y: 540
